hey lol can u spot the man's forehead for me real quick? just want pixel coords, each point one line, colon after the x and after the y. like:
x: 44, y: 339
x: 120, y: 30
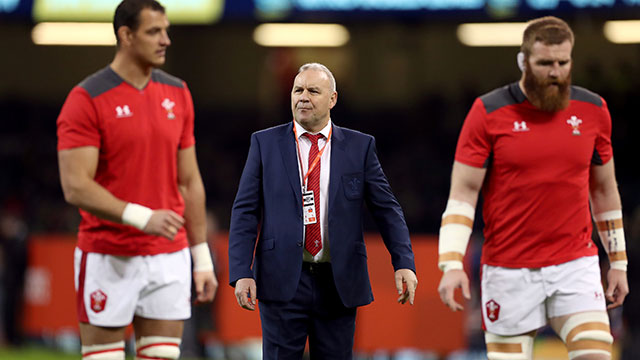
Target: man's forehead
x: 311, y: 77
x: 540, y: 49
x: 149, y: 17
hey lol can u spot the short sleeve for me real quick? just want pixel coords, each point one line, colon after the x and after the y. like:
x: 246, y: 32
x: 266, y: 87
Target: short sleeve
x: 78, y: 121
x: 187, y: 138
x: 603, y: 151
x: 474, y: 144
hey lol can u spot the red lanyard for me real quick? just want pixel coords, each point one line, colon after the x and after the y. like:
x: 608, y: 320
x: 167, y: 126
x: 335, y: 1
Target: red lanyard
x: 315, y: 161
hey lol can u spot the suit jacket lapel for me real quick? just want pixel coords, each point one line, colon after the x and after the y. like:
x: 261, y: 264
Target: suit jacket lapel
x: 290, y: 160
x: 338, y: 154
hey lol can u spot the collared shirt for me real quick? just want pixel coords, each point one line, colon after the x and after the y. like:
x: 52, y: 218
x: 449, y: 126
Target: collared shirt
x: 305, y: 145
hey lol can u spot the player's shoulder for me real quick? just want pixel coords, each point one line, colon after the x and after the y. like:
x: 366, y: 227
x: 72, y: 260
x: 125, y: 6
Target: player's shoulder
x: 503, y: 96
x: 162, y: 77
x: 100, y: 82
x: 581, y: 94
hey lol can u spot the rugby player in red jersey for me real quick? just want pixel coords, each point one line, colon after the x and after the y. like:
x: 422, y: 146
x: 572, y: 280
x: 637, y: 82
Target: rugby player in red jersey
x: 540, y: 152
x: 127, y: 161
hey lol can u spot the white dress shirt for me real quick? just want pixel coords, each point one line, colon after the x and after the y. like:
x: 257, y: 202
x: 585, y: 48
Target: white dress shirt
x: 325, y: 162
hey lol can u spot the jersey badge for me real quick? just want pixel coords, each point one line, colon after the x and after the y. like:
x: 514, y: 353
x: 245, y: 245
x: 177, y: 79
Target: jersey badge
x: 493, y: 310
x: 168, y: 106
x: 98, y: 301
x: 520, y: 126
x: 575, y: 124
x: 123, y: 111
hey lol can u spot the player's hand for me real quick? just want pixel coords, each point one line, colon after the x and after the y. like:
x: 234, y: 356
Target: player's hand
x: 451, y: 280
x: 246, y: 293
x: 164, y: 223
x: 206, y: 286
x: 617, y: 288
x: 406, y: 283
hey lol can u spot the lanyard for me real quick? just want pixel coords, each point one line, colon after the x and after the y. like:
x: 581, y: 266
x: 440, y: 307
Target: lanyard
x: 315, y: 161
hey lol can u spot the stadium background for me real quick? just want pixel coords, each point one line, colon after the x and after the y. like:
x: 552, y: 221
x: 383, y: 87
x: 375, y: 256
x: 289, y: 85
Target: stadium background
x: 403, y: 77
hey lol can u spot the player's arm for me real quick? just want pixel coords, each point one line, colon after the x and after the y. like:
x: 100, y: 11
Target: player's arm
x: 77, y: 171
x: 457, y: 224
x: 192, y: 190
x: 607, y: 211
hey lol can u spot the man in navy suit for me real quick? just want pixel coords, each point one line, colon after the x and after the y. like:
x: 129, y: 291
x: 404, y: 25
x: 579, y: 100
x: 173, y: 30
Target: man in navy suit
x: 301, y: 197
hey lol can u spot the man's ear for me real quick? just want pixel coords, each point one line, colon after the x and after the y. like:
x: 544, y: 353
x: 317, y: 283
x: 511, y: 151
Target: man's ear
x: 124, y: 35
x: 333, y: 100
x: 521, y: 60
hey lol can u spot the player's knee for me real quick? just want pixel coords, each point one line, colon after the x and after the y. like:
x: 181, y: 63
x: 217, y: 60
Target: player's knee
x: 158, y: 347
x: 587, y: 334
x: 112, y: 351
x: 509, y: 347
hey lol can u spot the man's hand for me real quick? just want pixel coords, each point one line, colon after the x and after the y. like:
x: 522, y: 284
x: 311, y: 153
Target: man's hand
x: 617, y: 288
x: 406, y: 283
x: 206, y: 286
x: 164, y: 223
x: 451, y: 280
x: 246, y: 293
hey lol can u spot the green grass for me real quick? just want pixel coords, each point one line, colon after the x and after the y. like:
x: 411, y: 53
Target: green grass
x: 41, y: 353
x: 34, y: 353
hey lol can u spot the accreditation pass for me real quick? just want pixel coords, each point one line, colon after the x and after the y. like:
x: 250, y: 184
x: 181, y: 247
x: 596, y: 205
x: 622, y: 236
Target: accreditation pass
x: 309, y: 207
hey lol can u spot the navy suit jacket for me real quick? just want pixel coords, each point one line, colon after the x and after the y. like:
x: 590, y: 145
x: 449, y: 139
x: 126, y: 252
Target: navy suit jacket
x: 269, y: 199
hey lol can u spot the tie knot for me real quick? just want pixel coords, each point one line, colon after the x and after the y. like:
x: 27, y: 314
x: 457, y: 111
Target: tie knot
x: 313, y: 138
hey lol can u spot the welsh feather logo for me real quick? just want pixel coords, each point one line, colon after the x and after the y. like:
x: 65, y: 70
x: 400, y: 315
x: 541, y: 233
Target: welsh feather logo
x: 575, y: 124
x: 493, y: 310
x: 98, y: 301
x: 168, y: 106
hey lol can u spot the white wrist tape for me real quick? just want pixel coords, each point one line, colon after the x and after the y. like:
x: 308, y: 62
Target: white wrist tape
x: 201, y: 257
x: 136, y: 215
x: 611, y: 234
x: 457, y: 224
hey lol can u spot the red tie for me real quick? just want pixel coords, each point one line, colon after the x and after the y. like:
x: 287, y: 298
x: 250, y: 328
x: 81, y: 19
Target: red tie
x: 313, y: 240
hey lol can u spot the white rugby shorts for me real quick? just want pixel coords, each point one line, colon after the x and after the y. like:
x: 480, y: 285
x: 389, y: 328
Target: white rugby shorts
x: 517, y: 301
x: 111, y: 289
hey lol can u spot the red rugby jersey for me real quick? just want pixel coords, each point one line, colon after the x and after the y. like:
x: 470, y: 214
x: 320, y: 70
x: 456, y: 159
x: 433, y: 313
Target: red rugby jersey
x: 536, y: 192
x: 138, y: 133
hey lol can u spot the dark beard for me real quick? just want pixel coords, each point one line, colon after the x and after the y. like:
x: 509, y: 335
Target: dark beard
x: 545, y: 96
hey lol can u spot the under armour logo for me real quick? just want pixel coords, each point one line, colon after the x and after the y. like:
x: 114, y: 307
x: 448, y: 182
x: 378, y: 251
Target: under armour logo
x: 519, y: 126
x: 123, y: 111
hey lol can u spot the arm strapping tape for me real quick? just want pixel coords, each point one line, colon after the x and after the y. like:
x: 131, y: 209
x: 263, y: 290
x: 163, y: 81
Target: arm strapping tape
x: 457, y: 224
x: 136, y: 215
x: 611, y: 234
x: 201, y: 257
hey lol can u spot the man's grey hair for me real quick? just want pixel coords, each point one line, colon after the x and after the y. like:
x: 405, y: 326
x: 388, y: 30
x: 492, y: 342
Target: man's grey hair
x: 319, y: 67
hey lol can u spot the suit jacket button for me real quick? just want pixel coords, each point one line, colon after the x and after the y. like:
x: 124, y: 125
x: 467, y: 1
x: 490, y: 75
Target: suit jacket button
x: 299, y: 243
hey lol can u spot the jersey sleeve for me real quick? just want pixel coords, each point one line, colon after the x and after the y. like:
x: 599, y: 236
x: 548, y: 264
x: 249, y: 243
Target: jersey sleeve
x: 78, y: 121
x: 474, y: 144
x: 603, y: 152
x: 187, y: 138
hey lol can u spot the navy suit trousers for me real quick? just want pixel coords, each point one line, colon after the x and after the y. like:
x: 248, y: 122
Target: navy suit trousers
x: 315, y: 312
